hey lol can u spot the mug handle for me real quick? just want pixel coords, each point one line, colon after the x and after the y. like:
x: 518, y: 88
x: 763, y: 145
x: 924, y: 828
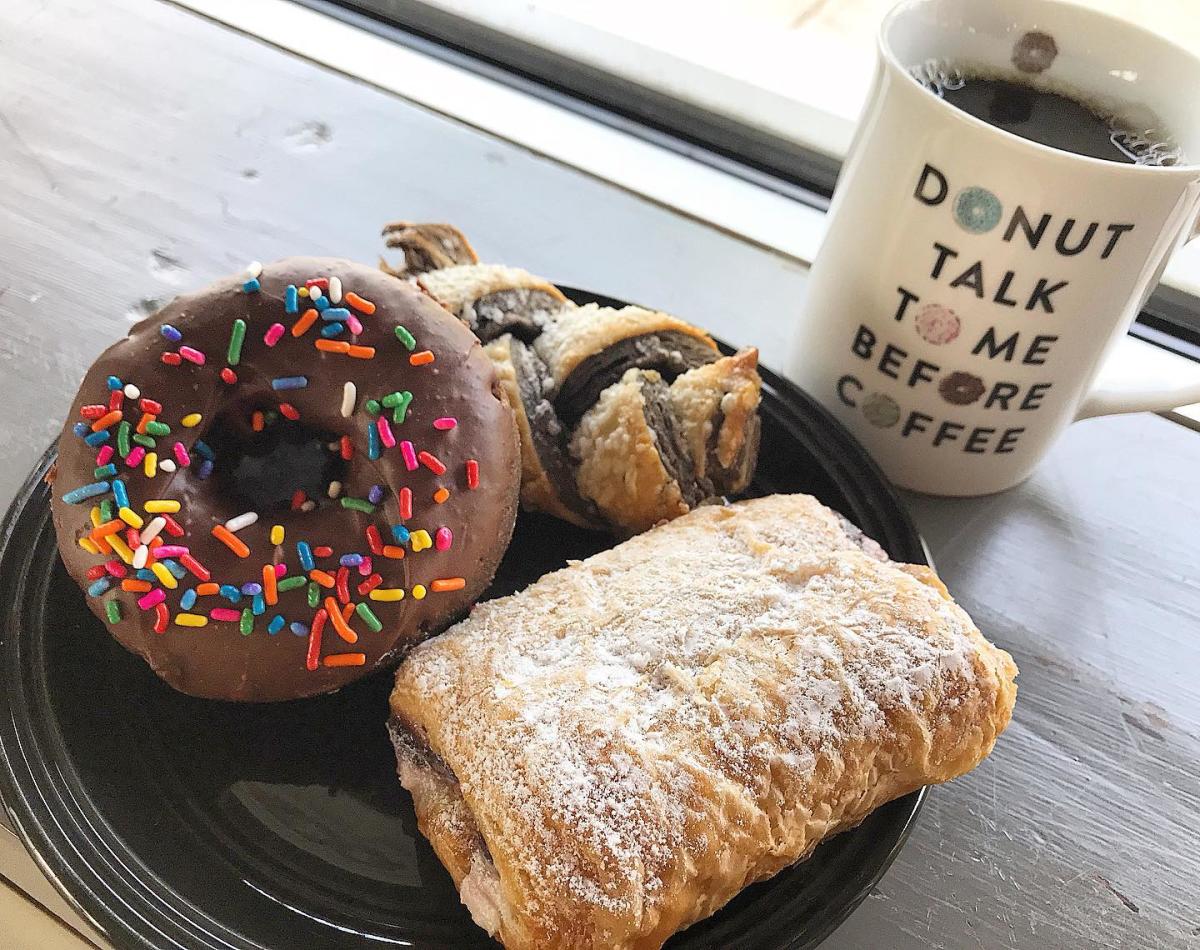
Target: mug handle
x: 1140, y: 377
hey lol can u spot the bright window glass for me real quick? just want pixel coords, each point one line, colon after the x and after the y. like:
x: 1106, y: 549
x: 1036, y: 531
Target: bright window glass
x: 799, y: 68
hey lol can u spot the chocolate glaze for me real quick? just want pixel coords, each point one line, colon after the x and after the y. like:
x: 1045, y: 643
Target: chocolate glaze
x: 216, y: 661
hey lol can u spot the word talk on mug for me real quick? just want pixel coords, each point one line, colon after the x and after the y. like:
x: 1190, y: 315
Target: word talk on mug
x: 963, y: 280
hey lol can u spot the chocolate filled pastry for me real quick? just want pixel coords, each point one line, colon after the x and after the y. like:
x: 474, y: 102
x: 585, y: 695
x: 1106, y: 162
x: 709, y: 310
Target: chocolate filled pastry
x: 716, y: 408
x: 493, y: 300
x: 590, y: 348
x: 280, y: 482
x: 648, y: 451
x: 426, y: 247
x: 617, y: 751
x: 547, y: 475
x: 633, y: 463
x: 602, y: 448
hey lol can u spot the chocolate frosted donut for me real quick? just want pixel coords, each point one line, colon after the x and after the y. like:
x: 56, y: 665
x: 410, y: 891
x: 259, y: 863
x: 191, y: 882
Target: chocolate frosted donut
x: 275, y: 485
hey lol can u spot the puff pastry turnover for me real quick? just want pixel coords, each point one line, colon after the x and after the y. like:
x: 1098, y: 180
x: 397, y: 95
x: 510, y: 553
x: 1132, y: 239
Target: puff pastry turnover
x: 618, y: 750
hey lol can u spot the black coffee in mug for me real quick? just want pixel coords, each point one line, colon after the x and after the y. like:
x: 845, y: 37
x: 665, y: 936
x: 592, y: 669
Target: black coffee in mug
x: 1048, y: 117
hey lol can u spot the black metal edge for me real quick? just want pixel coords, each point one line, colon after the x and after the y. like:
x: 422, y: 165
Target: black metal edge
x: 697, y: 133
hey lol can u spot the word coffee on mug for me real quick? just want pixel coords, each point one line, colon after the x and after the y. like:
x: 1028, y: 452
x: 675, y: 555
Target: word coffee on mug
x: 1000, y: 220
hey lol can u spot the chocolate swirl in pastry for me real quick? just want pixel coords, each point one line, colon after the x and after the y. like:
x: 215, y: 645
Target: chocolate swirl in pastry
x: 716, y: 409
x: 589, y: 348
x: 547, y: 478
x: 633, y: 462
x: 602, y: 448
x: 426, y: 247
x: 615, y: 752
x: 648, y: 451
x: 493, y: 299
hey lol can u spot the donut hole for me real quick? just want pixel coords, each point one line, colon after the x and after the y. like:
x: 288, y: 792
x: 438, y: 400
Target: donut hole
x: 262, y: 470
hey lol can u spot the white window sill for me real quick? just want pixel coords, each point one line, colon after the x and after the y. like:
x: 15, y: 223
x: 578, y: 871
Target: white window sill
x: 722, y: 201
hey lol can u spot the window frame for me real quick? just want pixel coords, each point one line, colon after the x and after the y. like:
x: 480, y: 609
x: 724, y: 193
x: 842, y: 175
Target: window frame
x: 1170, y: 319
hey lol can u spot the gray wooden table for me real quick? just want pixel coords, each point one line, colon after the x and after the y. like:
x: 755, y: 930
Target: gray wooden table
x: 144, y: 150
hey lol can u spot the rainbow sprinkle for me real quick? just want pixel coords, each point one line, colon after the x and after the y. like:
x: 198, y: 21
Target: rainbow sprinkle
x: 237, y: 336
x: 80, y: 495
x: 398, y: 403
x: 144, y: 553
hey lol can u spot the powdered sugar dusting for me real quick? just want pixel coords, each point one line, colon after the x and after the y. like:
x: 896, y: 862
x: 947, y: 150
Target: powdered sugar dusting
x: 689, y: 697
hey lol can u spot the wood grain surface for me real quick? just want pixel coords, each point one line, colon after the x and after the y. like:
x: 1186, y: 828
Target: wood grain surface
x: 144, y: 150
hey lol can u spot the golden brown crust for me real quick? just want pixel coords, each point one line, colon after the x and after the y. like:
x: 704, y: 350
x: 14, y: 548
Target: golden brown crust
x: 639, y: 736
x: 444, y: 818
x: 721, y: 396
x: 456, y: 287
x: 537, y: 490
x: 618, y: 465
x: 585, y: 331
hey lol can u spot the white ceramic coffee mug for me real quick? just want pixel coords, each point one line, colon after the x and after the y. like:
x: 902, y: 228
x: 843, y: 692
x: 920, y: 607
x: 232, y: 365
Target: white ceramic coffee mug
x: 972, y: 282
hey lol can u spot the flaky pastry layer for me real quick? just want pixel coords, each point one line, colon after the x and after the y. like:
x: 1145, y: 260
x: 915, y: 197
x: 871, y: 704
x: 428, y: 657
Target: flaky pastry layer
x: 618, y: 750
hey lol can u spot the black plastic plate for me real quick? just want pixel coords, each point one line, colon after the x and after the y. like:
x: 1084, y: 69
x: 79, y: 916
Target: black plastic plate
x: 176, y: 822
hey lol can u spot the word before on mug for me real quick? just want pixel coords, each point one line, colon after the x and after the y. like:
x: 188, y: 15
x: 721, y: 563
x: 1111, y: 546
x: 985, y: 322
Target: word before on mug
x: 896, y: 363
